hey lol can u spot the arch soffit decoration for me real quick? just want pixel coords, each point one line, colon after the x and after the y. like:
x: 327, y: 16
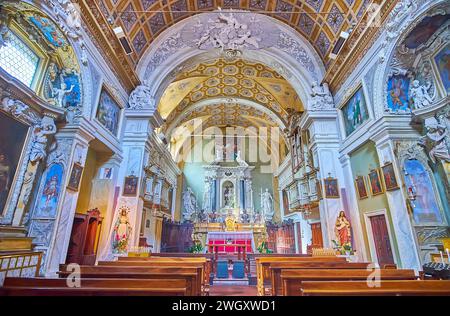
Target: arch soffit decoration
x: 56, y: 12
x: 407, y: 24
x: 295, y: 58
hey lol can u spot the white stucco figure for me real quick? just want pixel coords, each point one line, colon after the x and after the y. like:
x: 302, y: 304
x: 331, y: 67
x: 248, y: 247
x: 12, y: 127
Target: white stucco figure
x: 141, y: 97
x: 239, y: 159
x: 267, y: 205
x: 190, y: 203
x: 321, y: 98
x: 59, y: 94
x: 207, y: 197
x: 434, y: 140
x: 40, y: 139
x: 420, y: 95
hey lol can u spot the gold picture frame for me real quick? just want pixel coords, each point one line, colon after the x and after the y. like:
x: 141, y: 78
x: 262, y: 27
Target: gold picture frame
x: 361, y: 187
x: 75, y: 177
x: 389, y: 178
x: 331, y: 188
x: 375, y: 183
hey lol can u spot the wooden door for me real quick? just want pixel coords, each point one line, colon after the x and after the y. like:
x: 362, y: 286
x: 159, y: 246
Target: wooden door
x: 317, y: 240
x: 381, y: 239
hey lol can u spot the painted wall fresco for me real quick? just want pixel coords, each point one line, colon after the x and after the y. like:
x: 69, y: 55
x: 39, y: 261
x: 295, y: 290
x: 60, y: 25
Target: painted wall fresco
x: 355, y: 112
x: 108, y: 112
x: 12, y: 141
x: 48, y: 200
x: 442, y: 60
x: 418, y: 183
x: 424, y: 30
x: 49, y: 30
x: 397, y: 94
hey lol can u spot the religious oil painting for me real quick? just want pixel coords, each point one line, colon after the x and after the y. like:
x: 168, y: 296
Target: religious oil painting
x: 130, y: 186
x: 108, y: 112
x: 331, y: 188
x: 355, y: 112
x: 390, y: 181
x: 376, y: 187
x: 49, y: 30
x: 442, y: 60
x: 12, y: 140
x: 421, y: 193
x: 397, y: 94
x: 75, y: 177
x: 361, y: 187
x: 48, y: 200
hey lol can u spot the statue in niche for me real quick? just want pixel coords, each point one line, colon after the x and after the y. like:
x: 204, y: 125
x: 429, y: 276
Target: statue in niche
x: 41, y: 134
x: 267, y: 205
x: 122, y: 232
x: 59, y: 94
x: 190, y: 204
x: 141, y: 97
x: 342, y: 229
x: 420, y: 95
x: 321, y: 98
x: 228, y: 196
x: 207, y: 196
x: 434, y: 140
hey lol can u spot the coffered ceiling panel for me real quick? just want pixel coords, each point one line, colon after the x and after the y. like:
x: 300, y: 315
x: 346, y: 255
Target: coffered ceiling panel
x: 320, y: 21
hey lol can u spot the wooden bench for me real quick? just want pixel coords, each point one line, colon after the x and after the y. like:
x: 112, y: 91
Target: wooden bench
x: 263, y: 264
x: 65, y: 291
x: 292, y: 280
x: 25, y: 285
x: 360, y: 288
x: 276, y: 268
x: 192, y: 275
x: 165, y: 261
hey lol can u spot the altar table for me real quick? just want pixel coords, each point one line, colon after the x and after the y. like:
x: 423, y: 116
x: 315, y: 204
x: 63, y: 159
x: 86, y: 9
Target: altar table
x: 231, y: 242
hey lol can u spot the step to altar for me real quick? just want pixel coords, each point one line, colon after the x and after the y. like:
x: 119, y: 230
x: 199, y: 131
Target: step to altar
x: 230, y: 281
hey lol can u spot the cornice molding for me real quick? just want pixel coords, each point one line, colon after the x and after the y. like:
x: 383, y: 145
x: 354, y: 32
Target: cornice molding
x: 106, y: 41
x: 358, y: 44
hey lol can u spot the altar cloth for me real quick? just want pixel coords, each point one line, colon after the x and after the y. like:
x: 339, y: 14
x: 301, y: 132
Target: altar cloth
x: 238, y: 238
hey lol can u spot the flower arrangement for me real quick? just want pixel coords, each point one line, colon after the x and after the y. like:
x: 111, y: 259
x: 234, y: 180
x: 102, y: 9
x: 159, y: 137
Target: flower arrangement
x: 345, y: 249
x: 196, y: 248
x: 264, y: 248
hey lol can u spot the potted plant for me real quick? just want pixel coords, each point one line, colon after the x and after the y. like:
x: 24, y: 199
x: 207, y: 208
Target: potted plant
x: 264, y: 248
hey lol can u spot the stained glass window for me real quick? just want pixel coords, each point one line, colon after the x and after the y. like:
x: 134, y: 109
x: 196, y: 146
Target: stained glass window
x: 18, y: 59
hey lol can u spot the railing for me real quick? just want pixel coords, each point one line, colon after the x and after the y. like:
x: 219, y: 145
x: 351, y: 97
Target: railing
x: 23, y: 264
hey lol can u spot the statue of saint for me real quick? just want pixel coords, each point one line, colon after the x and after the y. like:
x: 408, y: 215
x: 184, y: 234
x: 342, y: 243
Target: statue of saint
x: 122, y: 232
x: 207, y: 197
x: 419, y: 94
x: 190, y: 203
x: 267, y: 205
x: 342, y: 229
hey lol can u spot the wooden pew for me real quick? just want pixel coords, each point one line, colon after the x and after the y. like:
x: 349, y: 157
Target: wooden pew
x: 292, y: 280
x: 165, y: 261
x: 276, y: 269
x: 22, y: 286
x: 64, y: 291
x: 192, y: 275
x: 360, y: 288
x: 263, y: 263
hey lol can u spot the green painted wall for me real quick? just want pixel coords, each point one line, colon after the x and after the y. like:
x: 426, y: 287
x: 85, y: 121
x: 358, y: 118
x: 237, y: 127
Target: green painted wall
x: 362, y: 161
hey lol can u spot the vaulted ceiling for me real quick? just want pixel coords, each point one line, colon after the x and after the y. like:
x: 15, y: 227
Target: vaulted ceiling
x: 320, y: 21
x: 233, y: 82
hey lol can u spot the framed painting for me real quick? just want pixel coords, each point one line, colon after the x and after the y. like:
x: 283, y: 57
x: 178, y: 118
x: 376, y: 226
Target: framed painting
x: 13, y: 137
x: 319, y: 189
x: 331, y: 188
x: 398, y: 94
x: 361, y: 188
x: 108, y: 111
x: 390, y: 181
x: 47, y: 202
x: 355, y: 112
x: 106, y: 173
x: 130, y: 186
x: 442, y: 61
x: 376, y: 186
x: 75, y: 177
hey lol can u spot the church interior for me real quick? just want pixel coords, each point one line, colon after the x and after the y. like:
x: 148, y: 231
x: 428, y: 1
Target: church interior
x: 224, y: 147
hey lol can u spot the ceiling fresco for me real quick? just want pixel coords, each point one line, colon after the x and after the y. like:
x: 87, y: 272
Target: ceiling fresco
x: 319, y: 21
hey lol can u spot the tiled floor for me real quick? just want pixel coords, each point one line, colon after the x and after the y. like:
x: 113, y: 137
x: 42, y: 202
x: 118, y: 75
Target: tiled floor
x: 232, y: 290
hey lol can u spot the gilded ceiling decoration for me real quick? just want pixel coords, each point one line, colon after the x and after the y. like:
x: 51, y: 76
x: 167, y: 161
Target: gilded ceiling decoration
x: 232, y: 80
x: 319, y: 21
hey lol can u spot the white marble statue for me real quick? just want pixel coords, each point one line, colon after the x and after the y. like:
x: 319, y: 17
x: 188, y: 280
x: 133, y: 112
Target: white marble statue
x: 435, y: 136
x: 239, y: 160
x: 141, y: 97
x: 267, y: 205
x: 41, y: 134
x: 190, y: 203
x: 321, y: 98
x: 419, y: 94
x: 207, y: 196
x: 59, y: 94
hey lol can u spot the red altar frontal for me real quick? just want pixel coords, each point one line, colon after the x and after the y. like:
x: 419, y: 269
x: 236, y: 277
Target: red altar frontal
x: 218, y: 241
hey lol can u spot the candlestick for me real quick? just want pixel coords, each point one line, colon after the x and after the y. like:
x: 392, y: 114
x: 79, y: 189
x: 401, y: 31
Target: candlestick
x: 442, y: 257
